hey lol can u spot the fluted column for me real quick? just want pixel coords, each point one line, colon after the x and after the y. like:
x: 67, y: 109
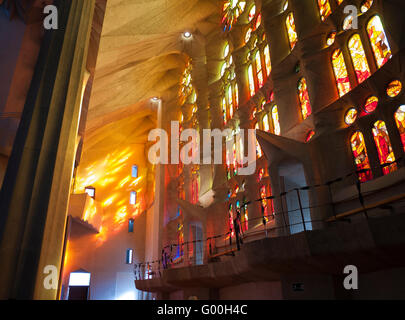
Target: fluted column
x: 35, y: 192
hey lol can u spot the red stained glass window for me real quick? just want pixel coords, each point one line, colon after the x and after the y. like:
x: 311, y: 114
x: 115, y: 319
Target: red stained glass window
x: 324, y: 9
x: 306, y: 109
x: 340, y: 70
x: 383, y: 144
x: 400, y: 121
x: 361, y: 157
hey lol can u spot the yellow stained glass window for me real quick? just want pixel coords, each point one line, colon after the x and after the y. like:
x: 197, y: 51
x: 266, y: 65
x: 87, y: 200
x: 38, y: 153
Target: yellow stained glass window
x: 359, y: 58
x: 291, y: 30
x: 248, y: 35
x: 276, y: 121
x: 285, y: 7
x: 340, y: 70
x: 259, y: 70
x: 378, y: 40
x: 394, y: 88
x: 351, y: 116
x: 266, y: 126
x: 348, y: 23
x: 252, y: 13
x: 366, y: 5
x: 232, y: 9
x: 400, y: 121
x: 339, y: 2
x: 361, y: 157
x: 324, y: 9
x: 252, y: 89
x: 231, y: 97
x: 383, y: 144
x: 303, y: 94
x: 224, y: 112
x: 267, y: 59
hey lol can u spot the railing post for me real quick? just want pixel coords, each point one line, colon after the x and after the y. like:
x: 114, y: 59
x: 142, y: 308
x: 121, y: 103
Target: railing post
x: 302, y: 212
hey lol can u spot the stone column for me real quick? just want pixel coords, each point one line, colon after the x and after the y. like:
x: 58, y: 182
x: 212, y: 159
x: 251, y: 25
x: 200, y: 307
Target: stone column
x: 34, y: 197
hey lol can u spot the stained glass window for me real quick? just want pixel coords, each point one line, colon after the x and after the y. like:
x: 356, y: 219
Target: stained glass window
x: 259, y: 54
x: 361, y: 157
x: 339, y: 2
x: 263, y: 195
x: 304, y: 98
x: 340, y: 70
x: 383, y: 144
x: 359, y: 58
x: 366, y: 5
x: 331, y: 38
x: 259, y: 71
x: 245, y: 216
x: 394, y: 88
x: 324, y: 9
x: 291, y: 30
x: 351, y: 116
x: 266, y: 126
x: 252, y: 88
x: 378, y: 40
x: 285, y: 7
x: 252, y: 13
x: 259, y: 152
x: 400, y: 120
x: 348, y: 23
x: 230, y: 101
x: 310, y: 135
x: 276, y: 121
x: 230, y: 217
x: 232, y: 9
x: 267, y: 59
x: 180, y: 241
x: 370, y: 105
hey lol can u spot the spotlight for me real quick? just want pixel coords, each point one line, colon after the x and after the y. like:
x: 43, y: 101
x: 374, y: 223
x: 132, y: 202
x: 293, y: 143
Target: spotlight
x: 155, y: 99
x: 187, y: 35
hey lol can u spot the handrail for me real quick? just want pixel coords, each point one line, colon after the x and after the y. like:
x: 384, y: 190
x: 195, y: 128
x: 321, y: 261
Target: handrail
x: 367, y: 207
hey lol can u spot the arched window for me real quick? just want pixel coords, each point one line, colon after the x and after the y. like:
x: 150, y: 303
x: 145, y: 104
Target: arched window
x: 245, y: 216
x: 378, y: 40
x: 339, y: 2
x: 231, y: 11
x: 291, y: 30
x: 324, y: 9
x: 230, y: 101
x: 359, y: 58
x: 266, y: 125
x: 259, y: 152
x: 259, y: 53
x: 195, y: 186
x: 230, y: 219
x: 366, y: 5
x: 400, y: 120
x: 304, y: 98
x: 263, y: 195
x: 361, y: 157
x: 383, y: 144
x: 276, y: 120
x: 340, y: 70
x: 180, y: 241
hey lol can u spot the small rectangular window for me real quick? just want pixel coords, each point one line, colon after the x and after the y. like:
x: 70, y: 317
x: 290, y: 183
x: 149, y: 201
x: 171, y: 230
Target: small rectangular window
x: 132, y: 199
x: 129, y: 257
x: 131, y: 225
x: 91, y: 192
x: 134, y: 171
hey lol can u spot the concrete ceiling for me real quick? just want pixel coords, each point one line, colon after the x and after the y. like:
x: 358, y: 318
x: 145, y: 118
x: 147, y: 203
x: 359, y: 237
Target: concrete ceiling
x: 141, y: 54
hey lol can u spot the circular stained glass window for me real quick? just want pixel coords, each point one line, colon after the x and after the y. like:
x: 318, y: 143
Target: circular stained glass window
x: 394, y: 88
x: 351, y: 116
x: 331, y: 38
x: 371, y: 104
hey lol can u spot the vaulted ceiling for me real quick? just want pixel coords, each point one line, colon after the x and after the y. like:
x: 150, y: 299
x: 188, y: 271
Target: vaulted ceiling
x: 141, y: 56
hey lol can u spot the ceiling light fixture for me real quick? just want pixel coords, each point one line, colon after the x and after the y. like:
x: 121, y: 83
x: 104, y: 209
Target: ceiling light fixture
x: 187, y: 35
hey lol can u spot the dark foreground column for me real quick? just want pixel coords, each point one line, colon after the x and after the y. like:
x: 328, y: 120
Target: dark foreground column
x: 34, y: 197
